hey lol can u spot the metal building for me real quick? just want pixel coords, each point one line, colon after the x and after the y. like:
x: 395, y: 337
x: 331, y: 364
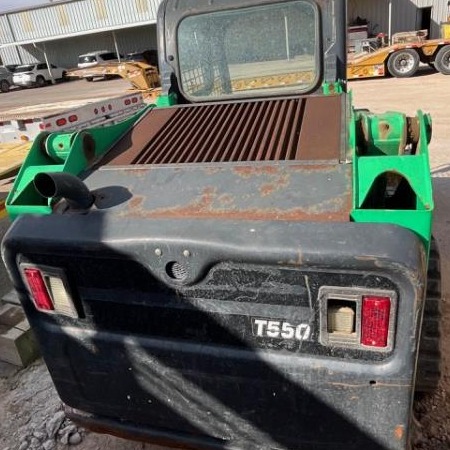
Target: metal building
x: 393, y: 16
x: 61, y: 31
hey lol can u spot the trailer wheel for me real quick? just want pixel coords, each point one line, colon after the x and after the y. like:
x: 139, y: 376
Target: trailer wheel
x: 4, y: 86
x: 442, y: 60
x: 429, y: 361
x: 89, y: 79
x: 403, y: 63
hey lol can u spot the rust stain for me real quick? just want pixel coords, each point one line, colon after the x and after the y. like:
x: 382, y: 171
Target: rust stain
x: 136, y: 173
x: 384, y: 129
x: 399, y: 432
x: 305, y: 168
x: 277, y: 183
x: 210, y: 205
x: 267, y: 189
x: 201, y: 210
x: 249, y: 171
x: 212, y: 170
x: 136, y: 202
x: 226, y: 199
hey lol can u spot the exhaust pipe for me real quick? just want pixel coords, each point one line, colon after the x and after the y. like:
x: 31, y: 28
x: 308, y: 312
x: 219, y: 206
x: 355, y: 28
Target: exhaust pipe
x: 66, y: 185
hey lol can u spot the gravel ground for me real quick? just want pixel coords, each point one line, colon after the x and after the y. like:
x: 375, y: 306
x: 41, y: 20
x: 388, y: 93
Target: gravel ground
x: 30, y: 412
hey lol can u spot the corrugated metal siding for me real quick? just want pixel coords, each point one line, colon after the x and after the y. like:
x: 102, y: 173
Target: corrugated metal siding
x: 9, y: 55
x: 6, y: 35
x: 404, y: 14
x: 65, y: 52
x: 78, y: 17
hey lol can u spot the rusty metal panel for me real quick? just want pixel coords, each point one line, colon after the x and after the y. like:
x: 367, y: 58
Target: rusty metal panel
x: 301, y: 128
x: 74, y: 18
x: 286, y: 191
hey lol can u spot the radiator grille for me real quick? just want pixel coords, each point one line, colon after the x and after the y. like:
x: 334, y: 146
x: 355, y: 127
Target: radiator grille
x: 232, y: 132
x: 307, y: 128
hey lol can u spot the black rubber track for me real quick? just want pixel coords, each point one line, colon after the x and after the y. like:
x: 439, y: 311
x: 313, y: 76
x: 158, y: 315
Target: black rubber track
x: 429, y: 364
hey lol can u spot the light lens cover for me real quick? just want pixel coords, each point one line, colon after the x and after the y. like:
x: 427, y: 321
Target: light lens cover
x: 38, y: 288
x: 375, y: 321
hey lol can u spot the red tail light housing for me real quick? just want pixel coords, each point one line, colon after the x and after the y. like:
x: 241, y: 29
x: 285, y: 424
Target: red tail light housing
x: 375, y: 321
x: 358, y: 318
x: 49, y: 290
x: 38, y: 289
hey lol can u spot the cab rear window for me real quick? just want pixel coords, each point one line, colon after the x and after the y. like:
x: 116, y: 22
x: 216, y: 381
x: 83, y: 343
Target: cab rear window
x: 268, y: 48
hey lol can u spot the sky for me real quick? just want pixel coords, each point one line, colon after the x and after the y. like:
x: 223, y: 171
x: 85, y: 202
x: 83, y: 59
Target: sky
x: 7, y: 5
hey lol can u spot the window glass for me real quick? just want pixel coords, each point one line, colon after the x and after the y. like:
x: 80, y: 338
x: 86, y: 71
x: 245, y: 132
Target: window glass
x: 267, y: 48
x: 108, y: 56
x: 87, y: 59
x: 26, y: 68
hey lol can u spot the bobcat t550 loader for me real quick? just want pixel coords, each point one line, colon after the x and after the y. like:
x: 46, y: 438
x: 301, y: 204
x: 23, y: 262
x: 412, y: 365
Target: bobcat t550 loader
x: 244, y: 265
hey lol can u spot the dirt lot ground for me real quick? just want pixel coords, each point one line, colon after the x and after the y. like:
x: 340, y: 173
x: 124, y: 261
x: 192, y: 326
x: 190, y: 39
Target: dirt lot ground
x: 29, y: 406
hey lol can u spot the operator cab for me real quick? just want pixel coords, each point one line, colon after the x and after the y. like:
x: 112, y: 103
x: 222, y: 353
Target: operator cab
x: 236, y: 49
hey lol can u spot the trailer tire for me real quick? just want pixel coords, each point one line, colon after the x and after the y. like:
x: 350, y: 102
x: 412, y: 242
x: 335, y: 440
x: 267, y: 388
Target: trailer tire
x: 403, y: 63
x: 4, y: 86
x: 89, y: 78
x: 442, y: 60
x: 429, y: 360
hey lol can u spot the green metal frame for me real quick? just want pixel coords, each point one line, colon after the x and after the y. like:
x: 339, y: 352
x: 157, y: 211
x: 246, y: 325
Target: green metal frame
x: 374, y: 154
x: 61, y: 152
x: 384, y: 135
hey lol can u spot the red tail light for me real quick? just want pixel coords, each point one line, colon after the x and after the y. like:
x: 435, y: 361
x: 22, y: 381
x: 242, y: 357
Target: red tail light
x: 61, y: 122
x: 38, y: 288
x: 49, y: 290
x: 375, y: 321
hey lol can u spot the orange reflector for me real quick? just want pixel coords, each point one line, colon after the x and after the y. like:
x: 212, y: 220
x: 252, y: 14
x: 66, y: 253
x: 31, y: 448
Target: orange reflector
x: 375, y: 321
x: 39, y: 292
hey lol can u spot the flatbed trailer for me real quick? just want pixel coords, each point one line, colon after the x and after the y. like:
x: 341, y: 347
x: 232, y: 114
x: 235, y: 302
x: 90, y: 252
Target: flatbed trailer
x: 401, y: 60
x: 24, y: 124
